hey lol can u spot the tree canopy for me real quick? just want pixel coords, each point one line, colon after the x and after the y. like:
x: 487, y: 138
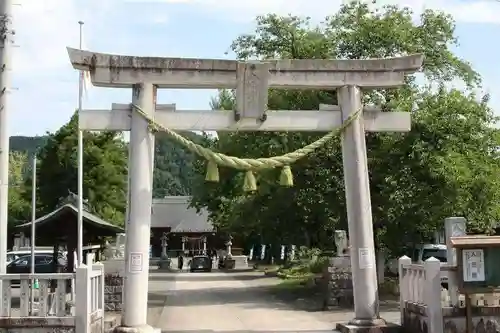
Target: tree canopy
x: 104, y: 171
x: 105, y: 168
x: 19, y: 207
x: 444, y: 167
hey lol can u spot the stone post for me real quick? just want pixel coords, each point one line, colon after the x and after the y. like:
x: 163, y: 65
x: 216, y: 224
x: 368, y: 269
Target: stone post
x: 359, y: 212
x: 404, y: 285
x: 134, y: 314
x: 432, y: 294
x: 454, y: 227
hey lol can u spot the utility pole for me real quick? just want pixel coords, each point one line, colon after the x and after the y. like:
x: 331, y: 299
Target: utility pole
x: 33, y: 233
x: 80, y: 161
x: 6, y: 36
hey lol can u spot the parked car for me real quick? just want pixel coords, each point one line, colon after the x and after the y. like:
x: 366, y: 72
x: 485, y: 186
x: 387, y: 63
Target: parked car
x: 13, y: 255
x: 43, y: 264
x: 200, y: 263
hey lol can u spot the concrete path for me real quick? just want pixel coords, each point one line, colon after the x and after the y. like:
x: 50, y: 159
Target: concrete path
x: 229, y: 302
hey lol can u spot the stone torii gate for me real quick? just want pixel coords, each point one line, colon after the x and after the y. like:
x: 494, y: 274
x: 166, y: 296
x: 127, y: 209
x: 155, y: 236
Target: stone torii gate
x: 251, y: 80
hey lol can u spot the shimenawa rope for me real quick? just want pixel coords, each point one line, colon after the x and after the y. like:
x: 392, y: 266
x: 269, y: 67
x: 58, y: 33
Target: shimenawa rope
x: 249, y: 165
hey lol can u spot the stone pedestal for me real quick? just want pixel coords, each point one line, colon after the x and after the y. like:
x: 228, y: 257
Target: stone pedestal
x: 339, y: 289
x: 113, y: 289
x: 140, y: 329
x: 377, y: 326
x: 240, y: 262
x: 339, y: 292
x: 229, y: 263
x: 164, y: 264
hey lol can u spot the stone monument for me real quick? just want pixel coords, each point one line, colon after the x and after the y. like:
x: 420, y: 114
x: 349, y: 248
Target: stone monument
x: 165, y: 261
x: 339, y: 274
x: 184, y: 241
x: 120, y: 246
x: 229, y: 244
x: 204, y: 241
x: 341, y: 242
x: 164, y: 245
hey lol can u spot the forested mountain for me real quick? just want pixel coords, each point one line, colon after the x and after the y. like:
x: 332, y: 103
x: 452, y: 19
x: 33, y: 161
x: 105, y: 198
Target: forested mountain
x: 174, y: 172
x: 27, y: 144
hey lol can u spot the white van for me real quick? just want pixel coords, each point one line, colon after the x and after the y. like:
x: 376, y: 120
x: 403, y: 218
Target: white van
x: 420, y: 254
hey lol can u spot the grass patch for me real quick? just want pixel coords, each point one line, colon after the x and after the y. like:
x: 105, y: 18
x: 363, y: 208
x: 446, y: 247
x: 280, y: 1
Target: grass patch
x: 292, y: 284
x: 291, y: 290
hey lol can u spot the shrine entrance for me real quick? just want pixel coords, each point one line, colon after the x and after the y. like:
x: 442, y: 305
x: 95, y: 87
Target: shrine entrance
x: 194, y: 245
x: 252, y: 80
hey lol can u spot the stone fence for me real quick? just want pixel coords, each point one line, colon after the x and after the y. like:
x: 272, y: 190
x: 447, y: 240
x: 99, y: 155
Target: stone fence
x: 53, y: 308
x: 426, y: 306
x: 420, y: 295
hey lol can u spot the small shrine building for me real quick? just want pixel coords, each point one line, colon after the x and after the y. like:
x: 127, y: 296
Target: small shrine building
x: 182, y: 228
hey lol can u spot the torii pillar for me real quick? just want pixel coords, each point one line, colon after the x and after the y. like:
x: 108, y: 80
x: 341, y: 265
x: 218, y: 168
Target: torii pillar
x: 251, y: 80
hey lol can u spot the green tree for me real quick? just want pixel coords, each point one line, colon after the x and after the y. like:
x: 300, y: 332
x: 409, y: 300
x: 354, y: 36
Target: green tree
x: 437, y: 170
x: 104, y: 171
x: 19, y: 207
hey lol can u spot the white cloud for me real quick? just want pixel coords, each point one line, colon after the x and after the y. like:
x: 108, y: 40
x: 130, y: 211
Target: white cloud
x: 42, y: 27
x: 45, y: 27
x: 46, y: 81
x: 44, y: 84
x: 485, y: 11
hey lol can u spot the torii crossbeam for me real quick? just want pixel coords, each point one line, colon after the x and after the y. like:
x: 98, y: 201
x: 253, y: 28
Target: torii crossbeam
x: 119, y: 118
x: 251, y: 80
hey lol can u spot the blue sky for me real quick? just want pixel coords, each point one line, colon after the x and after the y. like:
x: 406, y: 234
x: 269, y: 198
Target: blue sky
x: 45, y: 87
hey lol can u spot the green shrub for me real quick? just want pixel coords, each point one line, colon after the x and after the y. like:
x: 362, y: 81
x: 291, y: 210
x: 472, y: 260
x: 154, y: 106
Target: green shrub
x: 318, y: 265
x: 308, y: 261
x: 389, y: 287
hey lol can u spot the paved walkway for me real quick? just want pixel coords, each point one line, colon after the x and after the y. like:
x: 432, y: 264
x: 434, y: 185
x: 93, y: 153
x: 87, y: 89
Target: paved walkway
x: 236, y: 302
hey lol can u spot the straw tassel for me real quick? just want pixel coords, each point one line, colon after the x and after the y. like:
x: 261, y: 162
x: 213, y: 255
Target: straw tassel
x: 286, y: 176
x: 249, y: 184
x: 212, y: 174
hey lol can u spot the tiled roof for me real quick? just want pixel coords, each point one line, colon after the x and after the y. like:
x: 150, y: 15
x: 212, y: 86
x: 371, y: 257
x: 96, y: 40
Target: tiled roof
x: 87, y: 218
x: 174, y: 212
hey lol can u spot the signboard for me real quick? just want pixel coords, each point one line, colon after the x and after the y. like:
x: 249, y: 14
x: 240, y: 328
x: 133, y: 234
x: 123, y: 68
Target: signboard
x: 135, y: 262
x: 473, y: 265
x: 365, y: 258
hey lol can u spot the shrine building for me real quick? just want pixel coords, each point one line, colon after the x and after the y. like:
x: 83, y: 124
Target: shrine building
x: 184, y: 228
